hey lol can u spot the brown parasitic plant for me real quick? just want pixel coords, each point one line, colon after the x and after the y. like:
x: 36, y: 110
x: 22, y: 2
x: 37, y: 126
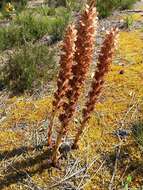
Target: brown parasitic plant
x: 86, y: 30
x: 103, y: 66
x: 65, y: 73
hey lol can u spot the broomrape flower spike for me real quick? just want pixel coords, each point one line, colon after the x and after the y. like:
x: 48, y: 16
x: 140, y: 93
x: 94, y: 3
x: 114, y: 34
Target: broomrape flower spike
x: 103, y: 66
x: 83, y: 58
x: 66, y: 62
x: 86, y: 31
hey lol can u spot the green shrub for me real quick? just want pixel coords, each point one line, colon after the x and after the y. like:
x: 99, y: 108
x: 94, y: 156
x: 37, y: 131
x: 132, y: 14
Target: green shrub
x: 55, y: 3
x: 75, y: 5
x: 29, y: 67
x: 20, y: 4
x: 59, y: 23
x: 105, y: 7
x: 44, y: 10
x: 126, y: 4
x: 29, y: 26
x: 13, y: 35
x: 128, y: 21
x: 34, y: 26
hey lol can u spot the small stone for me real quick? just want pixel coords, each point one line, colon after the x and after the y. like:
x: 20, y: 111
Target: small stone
x: 64, y: 149
x: 122, y: 133
x: 121, y: 72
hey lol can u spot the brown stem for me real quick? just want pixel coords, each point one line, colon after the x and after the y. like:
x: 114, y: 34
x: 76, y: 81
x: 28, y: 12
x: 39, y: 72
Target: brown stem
x: 50, y: 128
x: 55, y: 152
x: 80, y: 130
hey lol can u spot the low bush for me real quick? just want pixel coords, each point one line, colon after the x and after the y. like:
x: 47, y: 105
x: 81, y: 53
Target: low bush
x: 126, y: 4
x: 105, y: 7
x: 29, y: 67
x: 31, y: 26
x: 55, y: 3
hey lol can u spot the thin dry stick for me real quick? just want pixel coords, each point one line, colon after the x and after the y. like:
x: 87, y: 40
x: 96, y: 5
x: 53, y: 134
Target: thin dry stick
x: 115, y: 167
x: 69, y: 177
x: 66, y: 62
x: 83, y: 58
x: 103, y: 66
x: 92, y: 177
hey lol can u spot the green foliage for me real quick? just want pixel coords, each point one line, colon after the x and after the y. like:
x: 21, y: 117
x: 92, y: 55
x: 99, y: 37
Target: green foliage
x: 29, y: 67
x: 69, y: 4
x: 128, y: 21
x: 44, y: 11
x: 56, y: 3
x: 59, y: 23
x: 127, y: 182
x: 105, y: 7
x: 126, y: 4
x: 31, y: 26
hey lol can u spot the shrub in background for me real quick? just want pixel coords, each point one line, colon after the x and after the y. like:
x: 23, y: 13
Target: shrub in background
x: 29, y: 67
x: 31, y: 26
x: 105, y: 7
x: 11, y: 36
x: 55, y: 3
x: 20, y: 4
x: 126, y: 4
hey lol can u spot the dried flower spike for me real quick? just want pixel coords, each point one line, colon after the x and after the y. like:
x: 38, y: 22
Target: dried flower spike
x: 66, y: 62
x: 83, y: 58
x: 103, y: 66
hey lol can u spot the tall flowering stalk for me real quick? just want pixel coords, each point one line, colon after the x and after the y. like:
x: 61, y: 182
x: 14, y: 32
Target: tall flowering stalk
x: 103, y: 66
x: 65, y: 73
x: 86, y: 30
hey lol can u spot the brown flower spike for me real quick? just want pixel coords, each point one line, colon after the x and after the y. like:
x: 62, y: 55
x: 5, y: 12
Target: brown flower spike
x: 65, y: 73
x: 83, y: 58
x: 103, y: 66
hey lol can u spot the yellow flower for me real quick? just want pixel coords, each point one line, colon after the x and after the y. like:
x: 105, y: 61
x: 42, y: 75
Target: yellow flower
x: 9, y: 7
